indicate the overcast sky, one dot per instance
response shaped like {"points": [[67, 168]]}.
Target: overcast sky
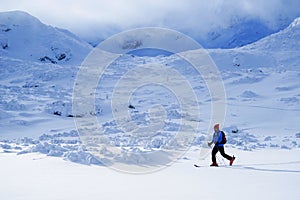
{"points": [[87, 17]]}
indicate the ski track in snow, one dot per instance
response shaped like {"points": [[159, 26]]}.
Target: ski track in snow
{"points": [[67, 180]]}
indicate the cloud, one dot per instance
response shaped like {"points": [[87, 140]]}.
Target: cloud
{"points": [[89, 18]]}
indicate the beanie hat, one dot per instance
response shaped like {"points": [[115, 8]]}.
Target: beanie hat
{"points": [[217, 126]]}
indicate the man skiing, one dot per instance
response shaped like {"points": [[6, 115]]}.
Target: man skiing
{"points": [[218, 140]]}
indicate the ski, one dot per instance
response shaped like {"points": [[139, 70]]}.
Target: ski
{"points": [[198, 166], [226, 166]]}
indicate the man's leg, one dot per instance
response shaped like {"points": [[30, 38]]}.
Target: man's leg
{"points": [[213, 154], [221, 149]]}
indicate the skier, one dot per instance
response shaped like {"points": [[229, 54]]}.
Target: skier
{"points": [[218, 140]]}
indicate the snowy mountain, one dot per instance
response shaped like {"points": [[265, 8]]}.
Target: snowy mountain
{"points": [[23, 36], [39, 91], [38, 85], [40, 145], [240, 32], [285, 40], [280, 50]]}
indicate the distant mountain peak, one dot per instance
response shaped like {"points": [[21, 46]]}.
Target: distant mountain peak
{"points": [[23, 36], [296, 22], [287, 39], [14, 18]]}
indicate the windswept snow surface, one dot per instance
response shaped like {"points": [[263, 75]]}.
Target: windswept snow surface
{"points": [[43, 157], [268, 174]]}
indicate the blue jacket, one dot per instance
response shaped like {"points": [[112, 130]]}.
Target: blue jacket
{"points": [[217, 138]]}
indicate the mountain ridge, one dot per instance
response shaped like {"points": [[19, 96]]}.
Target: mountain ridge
{"points": [[23, 36]]}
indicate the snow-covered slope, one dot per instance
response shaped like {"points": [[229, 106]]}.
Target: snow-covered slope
{"points": [[242, 31], [239, 31], [36, 120], [24, 37], [287, 40], [269, 174], [279, 50], [35, 93]]}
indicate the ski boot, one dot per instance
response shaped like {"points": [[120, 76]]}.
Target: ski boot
{"points": [[231, 161]]}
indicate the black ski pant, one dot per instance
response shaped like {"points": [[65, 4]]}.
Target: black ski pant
{"points": [[215, 151]]}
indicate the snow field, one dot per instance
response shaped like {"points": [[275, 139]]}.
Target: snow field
{"points": [[42, 156], [259, 174]]}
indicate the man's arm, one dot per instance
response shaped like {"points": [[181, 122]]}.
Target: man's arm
{"points": [[214, 139]]}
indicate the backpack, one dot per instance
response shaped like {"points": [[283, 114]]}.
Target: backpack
{"points": [[224, 140]]}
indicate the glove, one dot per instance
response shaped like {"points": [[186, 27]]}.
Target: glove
{"points": [[209, 144]]}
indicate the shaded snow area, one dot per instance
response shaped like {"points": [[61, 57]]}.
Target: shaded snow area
{"points": [[66, 145], [42, 155]]}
